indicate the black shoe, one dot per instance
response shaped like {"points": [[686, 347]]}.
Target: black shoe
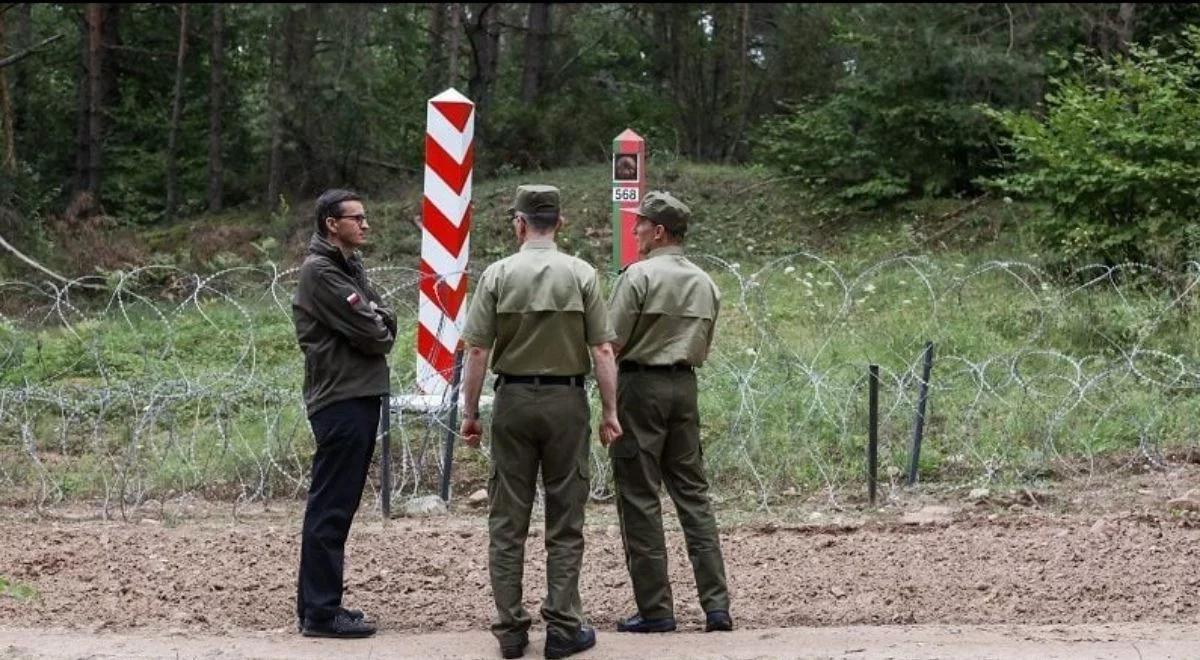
{"points": [[560, 647], [357, 615], [717, 620], [342, 625], [514, 647], [638, 624]]}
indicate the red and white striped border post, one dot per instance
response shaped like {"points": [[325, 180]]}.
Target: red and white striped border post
{"points": [[445, 236]]}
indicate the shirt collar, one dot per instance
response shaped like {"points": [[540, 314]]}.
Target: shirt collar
{"points": [[318, 244], [665, 250], [539, 244]]}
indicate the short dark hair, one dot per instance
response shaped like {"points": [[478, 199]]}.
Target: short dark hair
{"points": [[329, 205], [541, 222]]}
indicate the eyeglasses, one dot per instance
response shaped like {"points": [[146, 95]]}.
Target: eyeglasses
{"points": [[359, 218]]}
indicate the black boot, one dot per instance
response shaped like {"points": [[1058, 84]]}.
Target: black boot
{"points": [[718, 620], [342, 625], [353, 614], [561, 647], [639, 624], [514, 647]]}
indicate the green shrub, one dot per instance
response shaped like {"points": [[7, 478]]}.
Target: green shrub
{"points": [[1116, 155]]}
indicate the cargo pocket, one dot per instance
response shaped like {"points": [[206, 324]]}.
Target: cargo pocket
{"points": [[493, 479], [626, 447], [583, 471]]}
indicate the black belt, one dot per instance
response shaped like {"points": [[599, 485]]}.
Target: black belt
{"points": [[634, 366], [502, 379]]}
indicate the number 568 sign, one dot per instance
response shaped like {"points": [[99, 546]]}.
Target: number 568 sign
{"points": [[625, 195], [628, 185]]}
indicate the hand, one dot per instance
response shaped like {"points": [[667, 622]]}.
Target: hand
{"points": [[610, 430], [471, 431]]}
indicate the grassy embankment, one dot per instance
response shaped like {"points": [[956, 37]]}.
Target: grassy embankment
{"points": [[150, 393]]}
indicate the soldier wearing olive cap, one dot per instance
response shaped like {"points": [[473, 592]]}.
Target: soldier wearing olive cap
{"points": [[538, 314], [664, 311]]}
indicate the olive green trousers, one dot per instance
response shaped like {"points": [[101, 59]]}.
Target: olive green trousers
{"points": [[546, 427], [661, 446]]}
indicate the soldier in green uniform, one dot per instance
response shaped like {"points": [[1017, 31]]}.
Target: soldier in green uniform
{"points": [[664, 310], [538, 314]]}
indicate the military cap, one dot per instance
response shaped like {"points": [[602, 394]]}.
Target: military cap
{"points": [[536, 199], [662, 208]]}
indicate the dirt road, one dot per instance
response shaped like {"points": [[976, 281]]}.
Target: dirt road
{"points": [[1100, 642], [1097, 575]]}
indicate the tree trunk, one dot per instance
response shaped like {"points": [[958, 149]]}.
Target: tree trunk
{"points": [[337, 144], [96, 18], [275, 108], [20, 39], [8, 160], [216, 170], [743, 86], [110, 89], [1125, 26], [701, 53], [176, 111], [88, 154], [452, 64], [437, 44], [483, 31], [537, 51], [299, 49], [721, 99], [681, 58]]}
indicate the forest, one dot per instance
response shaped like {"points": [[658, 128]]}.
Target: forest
{"points": [[144, 114]]}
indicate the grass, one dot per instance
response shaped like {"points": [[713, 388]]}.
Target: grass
{"points": [[1025, 383], [15, 590], [1034, 376]]}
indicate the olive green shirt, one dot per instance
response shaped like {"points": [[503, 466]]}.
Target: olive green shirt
{"points": [[664, 310], [538, 310]]}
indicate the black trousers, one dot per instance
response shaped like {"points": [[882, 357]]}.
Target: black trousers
{"points": [[345, 433]]}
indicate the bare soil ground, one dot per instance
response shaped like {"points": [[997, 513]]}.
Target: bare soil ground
{"points": [[1119, 641], [1081, 556]]}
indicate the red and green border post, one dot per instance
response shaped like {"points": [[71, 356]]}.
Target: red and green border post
{"points": [[629, 186]]}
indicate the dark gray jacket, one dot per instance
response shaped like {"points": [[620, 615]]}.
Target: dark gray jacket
{"points": [[344, 338]]}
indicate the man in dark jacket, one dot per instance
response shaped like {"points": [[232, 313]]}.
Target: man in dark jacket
{"points": [[345, 332]]}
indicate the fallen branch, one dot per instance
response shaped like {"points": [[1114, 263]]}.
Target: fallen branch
{"points": [[17, 57], [5, 244]]}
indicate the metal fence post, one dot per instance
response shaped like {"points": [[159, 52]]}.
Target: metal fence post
{"points": [[919, 423], [873, 433], [451, 426], [385, 458]]}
